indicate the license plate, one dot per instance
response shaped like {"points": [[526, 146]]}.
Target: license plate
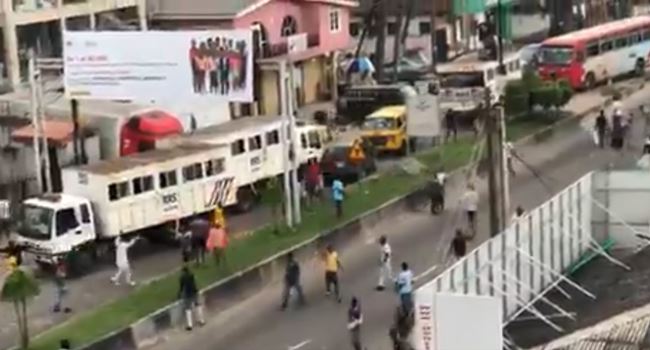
{"points": [[340, 164]]}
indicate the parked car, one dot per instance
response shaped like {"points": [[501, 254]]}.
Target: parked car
{"points": [[408, 69], [338, 163]]}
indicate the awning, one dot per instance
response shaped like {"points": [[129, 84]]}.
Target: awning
{"points": [[58, 133]]}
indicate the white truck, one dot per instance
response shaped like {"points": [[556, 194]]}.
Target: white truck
{"points": [[126, 196], [255, 150], [464, 80]]}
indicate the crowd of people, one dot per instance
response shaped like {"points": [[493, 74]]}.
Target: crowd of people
{"points": [[218, 65]]}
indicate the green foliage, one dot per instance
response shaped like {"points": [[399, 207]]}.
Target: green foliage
{"points": [[530, 90], [19, 288], [552, 94]]}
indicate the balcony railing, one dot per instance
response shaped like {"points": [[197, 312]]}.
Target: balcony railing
{"points": [[279, 49]]}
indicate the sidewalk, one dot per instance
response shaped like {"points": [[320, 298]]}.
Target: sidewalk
{"points": [[95, 289]]}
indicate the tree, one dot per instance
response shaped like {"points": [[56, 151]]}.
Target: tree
{"points": [[397, 42], [18, 289]]}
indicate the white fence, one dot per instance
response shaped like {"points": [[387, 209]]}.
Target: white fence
{"points": [[521, 264]]}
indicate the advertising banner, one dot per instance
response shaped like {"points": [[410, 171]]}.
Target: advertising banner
{"points": [[159, 65]]}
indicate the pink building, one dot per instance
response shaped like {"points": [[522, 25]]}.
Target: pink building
{"points": [[309, 33]]}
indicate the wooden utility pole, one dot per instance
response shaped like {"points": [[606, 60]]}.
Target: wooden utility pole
{"points": [[434, 39], [493, 192], [380, 49]]}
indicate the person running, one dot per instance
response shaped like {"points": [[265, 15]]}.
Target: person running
{"points": [[385, 268], [122, 260], [200, 229], [292, 282], [404, 286], [189, 294], [519, 213], [332, 267], [338, 194], [185, 240], [600, 128], [436, 190], [355, 320], [470, 200], [60, 275], [458, 245], [510, 152]]}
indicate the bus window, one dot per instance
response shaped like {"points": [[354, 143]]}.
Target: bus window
{"points": [[634, 38], [238, 147], [606, 46], [254, 143], [314, 140], [303, 141], [620, 43], [592, 50], [646, 35]]}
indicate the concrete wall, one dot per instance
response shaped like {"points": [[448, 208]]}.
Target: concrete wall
{"points": [[626, 195]]}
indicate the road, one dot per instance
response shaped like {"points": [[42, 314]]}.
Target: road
{"points": [[418, 238]]}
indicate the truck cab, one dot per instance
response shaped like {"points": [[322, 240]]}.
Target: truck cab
{"points": [[54, 224], [385, 129]]}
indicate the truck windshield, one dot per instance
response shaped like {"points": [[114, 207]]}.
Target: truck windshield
{"points": [[36, 222], [555, 55], [461, 79], [379, 124]]}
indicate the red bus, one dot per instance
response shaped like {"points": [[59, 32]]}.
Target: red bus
{"points": [[588, 56]]}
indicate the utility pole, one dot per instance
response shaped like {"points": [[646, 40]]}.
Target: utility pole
{"points": [[500, 24], [292, 106], [284, 138], [34, 111], [380, 49], [504, 171], [41, 129], [434, 39], [493, 200]]}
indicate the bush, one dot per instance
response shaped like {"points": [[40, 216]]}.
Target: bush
{"points": [[517, 98], [552, 94]]}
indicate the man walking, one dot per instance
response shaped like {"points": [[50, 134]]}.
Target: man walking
{"points": [[338, 194], [385, 269], [458, 245], [470, 200], [200, 229], [332, 267], [122, 260], [355, 320], [186, 245], [292, 282], [60, 275], [450, 125], [188, 293], [600, 128], [404, 286]]}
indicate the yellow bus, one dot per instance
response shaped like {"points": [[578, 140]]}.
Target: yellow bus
{"points": [[385, 129]]}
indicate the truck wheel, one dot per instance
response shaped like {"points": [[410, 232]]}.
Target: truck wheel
{"points": [[246, 199], [402, 150]]}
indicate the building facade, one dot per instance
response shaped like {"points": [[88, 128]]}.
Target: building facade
{"points": [[39, 24], [306, 33]]}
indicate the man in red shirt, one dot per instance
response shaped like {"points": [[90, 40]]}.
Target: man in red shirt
{"points": [[313, 180]]}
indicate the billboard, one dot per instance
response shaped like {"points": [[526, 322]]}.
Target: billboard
{"points": [[157, 66]]}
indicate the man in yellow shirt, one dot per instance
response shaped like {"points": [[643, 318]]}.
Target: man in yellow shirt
{"points": [[332, 267]]}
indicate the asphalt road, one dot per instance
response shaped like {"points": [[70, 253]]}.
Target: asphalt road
{"points": [[418, 238]]}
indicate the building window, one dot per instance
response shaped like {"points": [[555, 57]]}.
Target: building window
{"points": [[355, 28], [167, 179], [425, 28], [391, 28], [289, 26], [335, 20]]}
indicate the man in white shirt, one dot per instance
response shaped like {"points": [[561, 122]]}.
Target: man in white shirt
{"points": [[122, 260], [404, 286], [385, 269], [470, 201]]}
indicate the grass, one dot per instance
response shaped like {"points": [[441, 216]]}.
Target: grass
{"points": [[251, 249]]}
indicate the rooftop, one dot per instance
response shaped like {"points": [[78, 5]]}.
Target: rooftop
{"points": [[122, 164], [616, 290]]}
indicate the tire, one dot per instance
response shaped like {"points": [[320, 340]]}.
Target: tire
{"points": [[402, 150], [639, 68], [246, 199], [590, 81]]}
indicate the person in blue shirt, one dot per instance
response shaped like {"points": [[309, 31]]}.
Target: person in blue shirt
{"points": [[338, 194], [404, 285]]}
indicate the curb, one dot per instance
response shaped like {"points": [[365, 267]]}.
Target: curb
{"points": [[241, 285]]}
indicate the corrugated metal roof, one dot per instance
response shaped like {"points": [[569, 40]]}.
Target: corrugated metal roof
{"points": [[198, 8]]}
